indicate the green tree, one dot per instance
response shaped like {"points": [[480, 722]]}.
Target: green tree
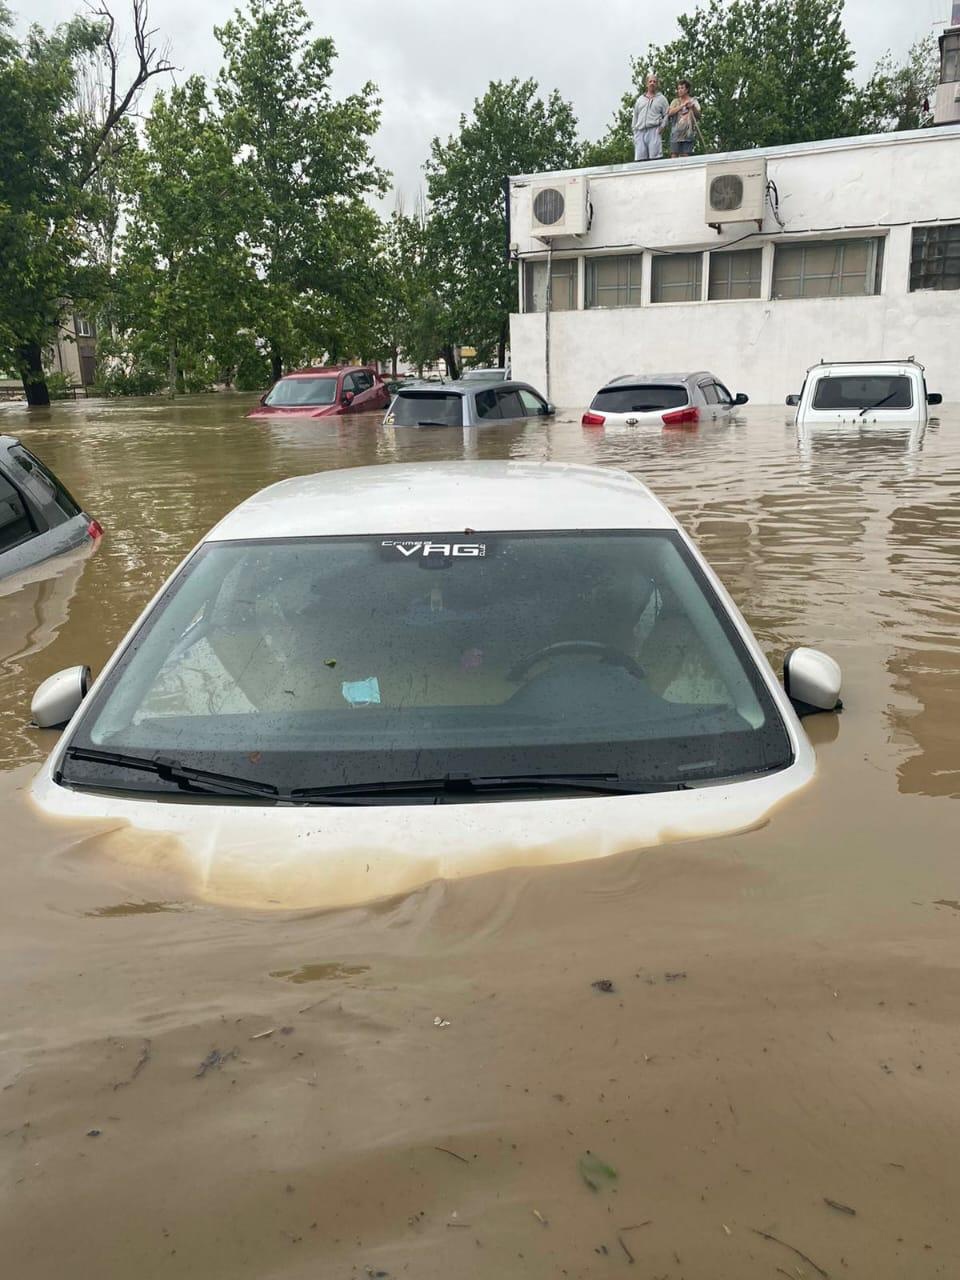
{"points": [[184, 274], [512, 130], [305, 158], [417, 320], [766, 73], [898, 95], [49, 154]]}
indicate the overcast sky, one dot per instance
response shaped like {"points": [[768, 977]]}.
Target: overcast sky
{"points": [[432, 59]]}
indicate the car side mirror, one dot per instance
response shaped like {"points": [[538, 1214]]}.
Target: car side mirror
{"points": [[793, 400], [56, 700], [550, 410], [934, 397], [347, 397], [812, 681], [740, 398]]}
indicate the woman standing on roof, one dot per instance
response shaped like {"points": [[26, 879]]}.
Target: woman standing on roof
{"points": [[683, 114]]}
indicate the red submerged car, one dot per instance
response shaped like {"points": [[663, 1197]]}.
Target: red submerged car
{"points": [[325, 392]]}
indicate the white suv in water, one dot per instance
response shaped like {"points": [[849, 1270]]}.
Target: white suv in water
{"points": [[365, 679], [887, 392], [661, 400]]}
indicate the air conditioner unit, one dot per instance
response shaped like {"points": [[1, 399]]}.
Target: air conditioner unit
{"points": [[736, 191], [559, 208]]}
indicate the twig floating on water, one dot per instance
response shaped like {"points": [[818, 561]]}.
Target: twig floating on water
{"points": [[630, 1258], [843, 1208], [214, 1061], [799, 1252], [262, 1035], [138, 1067], [447, 1151], [637, 1225]]}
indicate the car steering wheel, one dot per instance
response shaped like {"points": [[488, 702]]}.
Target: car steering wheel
{"points": [[616, 657]]}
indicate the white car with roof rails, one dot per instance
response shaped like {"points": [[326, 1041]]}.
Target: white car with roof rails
{"points": [[865, 393], [661, 400], [365, 679]]}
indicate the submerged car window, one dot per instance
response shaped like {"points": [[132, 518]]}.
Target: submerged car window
{"points": [[532, 404], [487, 405], [15, 524], [323, 661], [42, 486], [303, 391], [427, 408], [510, 404], [642, 398], [863, 391]]}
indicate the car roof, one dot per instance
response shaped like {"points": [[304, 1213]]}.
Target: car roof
{"points": [[865, 367], [325, 371], [440, 497], [645, 379], [469, 388]]}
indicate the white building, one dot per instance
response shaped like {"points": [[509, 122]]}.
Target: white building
{"points": [[842, 250]]}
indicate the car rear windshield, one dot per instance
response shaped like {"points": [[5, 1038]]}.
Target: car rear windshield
{"points": [[863, 391], [346, 661], [41, 486], [427, 409], [642, 398], [290, 392]]}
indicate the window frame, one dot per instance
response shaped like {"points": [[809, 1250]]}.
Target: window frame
{"points": [[874, 270], [631, 289], [729, 255], [946, 238], [29, 514], [698, 256], [564, 269]]}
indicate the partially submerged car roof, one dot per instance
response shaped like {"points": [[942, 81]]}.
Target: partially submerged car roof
{"points": [[650, 379], [443, 497]]}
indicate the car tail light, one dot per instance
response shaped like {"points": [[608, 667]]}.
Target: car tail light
{"points": [[592, 420], [682, 417], [94, 529]]}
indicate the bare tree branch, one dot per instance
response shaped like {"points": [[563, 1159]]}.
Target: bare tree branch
{"points": [[150, 63]]}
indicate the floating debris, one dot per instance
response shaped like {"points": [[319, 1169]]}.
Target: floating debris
{"points": [[603, 984], [594, 1171], [214, 1061]]}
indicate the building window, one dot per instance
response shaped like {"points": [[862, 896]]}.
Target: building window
{"points": [[735, 275], [935, 257], [82, 327], [827, 269], [563, 280], [677, 277], [614, 282], [950, 59]]}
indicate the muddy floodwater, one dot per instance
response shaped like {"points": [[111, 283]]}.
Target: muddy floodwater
{"points": [[733, 1058]]}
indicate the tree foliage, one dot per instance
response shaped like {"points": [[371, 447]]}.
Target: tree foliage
{"points": [[512, 130], [184, 278], [899, 95], [304, 158], [49, 152]]}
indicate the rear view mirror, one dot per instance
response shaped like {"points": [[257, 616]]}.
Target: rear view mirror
{"points": [[56, 700], [934, 397], [812, 681], [793, 400], [740, 398]]}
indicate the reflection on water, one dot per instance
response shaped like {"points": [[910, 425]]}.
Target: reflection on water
{"points": [[414, 1124]]}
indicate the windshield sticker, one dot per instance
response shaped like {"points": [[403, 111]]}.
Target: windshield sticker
{"points": [[432, 549], [362, 693]]}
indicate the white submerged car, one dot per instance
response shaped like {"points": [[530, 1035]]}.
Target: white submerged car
{"points": [[365, 679], [890, 393]]}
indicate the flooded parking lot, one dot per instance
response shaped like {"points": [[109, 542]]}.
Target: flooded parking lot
{"points": [[728, 1058]]}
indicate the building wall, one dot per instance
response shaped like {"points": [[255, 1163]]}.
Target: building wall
{"points": [[847, 188]]}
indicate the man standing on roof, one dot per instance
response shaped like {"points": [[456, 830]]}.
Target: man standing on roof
{"points": [[649, 114], [684, 113]]}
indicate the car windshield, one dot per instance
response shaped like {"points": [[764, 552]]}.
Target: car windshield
{"points": [[290, 392], [642, 398], [427, 408], [863, 391], [328, 662]]}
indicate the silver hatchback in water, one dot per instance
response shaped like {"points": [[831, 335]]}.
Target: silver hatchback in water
{"points": [[661, 400], [465, 403]]}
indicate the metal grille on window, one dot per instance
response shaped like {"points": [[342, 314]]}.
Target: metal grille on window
{"points": [[563, 279], [828, 269], [614, 282], [935, 257], [677, 277], [735, 275]]}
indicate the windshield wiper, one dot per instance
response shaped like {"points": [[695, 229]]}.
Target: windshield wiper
{"points": [[185, 776], [466, 784], [867, 407]]}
